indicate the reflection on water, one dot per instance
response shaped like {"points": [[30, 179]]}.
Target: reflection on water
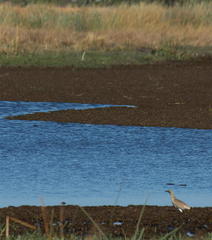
{"points": [[100, 164]]}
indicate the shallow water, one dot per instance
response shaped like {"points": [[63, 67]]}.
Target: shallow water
{"points": [[9, 108], [99, 164]]}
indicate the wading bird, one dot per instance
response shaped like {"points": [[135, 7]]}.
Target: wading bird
{"points": [[180, 205]]}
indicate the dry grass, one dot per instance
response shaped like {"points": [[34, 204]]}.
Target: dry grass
{"points": [[37, 28]]}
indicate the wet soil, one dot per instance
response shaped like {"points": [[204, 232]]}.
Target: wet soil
{"points": [[113, 220], [174, 94]]}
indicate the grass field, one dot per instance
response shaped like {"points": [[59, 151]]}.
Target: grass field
{"points": [[149, 31]]}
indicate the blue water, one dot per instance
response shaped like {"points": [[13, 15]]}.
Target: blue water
{"points": [[89, 164], [8, 108]]}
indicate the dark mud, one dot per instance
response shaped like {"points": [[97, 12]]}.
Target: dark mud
{"points": [[176, 94], [115, 220]]}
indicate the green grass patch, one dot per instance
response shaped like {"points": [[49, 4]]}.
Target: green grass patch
{"points": [[96, 59]]}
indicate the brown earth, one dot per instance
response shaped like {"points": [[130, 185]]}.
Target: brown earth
{"points": [[174, 94], [116, 220]]}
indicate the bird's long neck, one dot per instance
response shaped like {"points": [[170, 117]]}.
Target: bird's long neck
{"points": [[172, 196]]}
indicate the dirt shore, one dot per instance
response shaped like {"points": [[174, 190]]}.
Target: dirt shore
{"points": [[174, 94], [115, 220]]}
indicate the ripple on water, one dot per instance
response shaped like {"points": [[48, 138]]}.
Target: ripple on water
{"points": [[100, 164]]}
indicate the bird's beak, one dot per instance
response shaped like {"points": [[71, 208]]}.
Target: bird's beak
{"points": [[166, 191]]}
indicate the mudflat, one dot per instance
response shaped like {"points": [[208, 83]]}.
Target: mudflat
{"points": [[117, 221], [169, 94]]}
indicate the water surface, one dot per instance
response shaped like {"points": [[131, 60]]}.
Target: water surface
{"points": [[99, 164]]}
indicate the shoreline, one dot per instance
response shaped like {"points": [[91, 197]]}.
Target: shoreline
{"points": [[114, 220], [174, 94]]}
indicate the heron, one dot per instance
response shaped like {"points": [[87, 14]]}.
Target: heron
{"points": [[180, 205]]}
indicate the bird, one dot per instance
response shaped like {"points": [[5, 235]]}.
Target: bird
{"points": [[180, 205]]}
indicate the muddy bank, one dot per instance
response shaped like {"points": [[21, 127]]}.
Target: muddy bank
{"points": [[166, 94], [115, 220], [176, 94]]}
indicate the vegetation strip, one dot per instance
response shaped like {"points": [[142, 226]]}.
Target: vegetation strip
{"points": [[50, 35]]}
